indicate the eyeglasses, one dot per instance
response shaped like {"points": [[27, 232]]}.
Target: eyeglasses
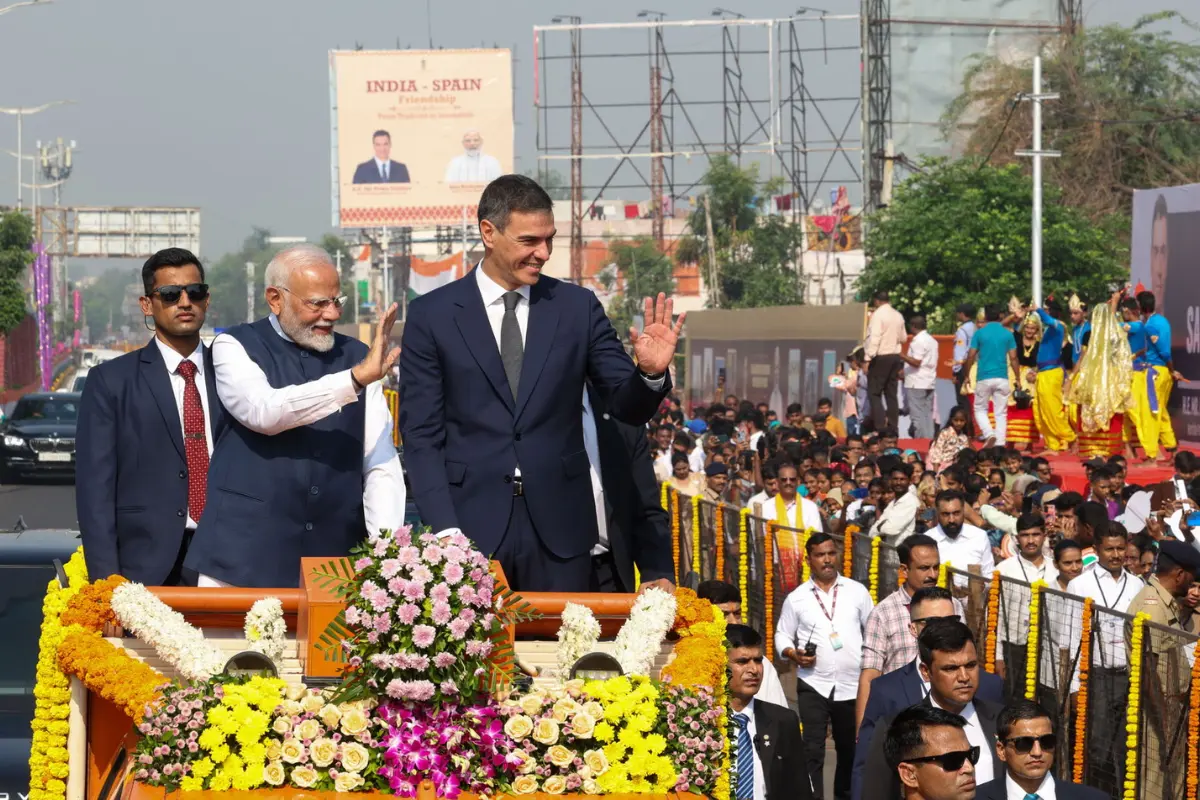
{"points": [[318, 303], [949, 762], [927, 620], [170, 294], [789, 480], [1023, 744]]}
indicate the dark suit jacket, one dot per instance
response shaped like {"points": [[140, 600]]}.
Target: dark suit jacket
{"points": [[368, 172], [1063, 790], [131, 473], [638, 526], [465, 435], [891, 694], [781, 751]]}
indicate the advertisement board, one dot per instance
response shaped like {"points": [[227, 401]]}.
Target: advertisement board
{"points": [[1163, 251], [417, 134]]}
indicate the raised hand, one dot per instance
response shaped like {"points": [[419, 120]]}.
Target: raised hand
{"points": [[654, 346], [380, 359]]}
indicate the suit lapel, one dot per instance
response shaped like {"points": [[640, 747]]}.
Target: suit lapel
{"points": [[543, 322], [154, 373], [216, 413], [477, 333], [987, 714], [766, 740], [913, 686]]}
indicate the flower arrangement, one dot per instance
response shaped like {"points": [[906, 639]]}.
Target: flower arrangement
{"points": [[640, 639], [848, 549], [173, 638], [235, 753], [636, 754], [321, 745], [52, 692], [691, 722], [91, 607], [700, 658], [719, 526], [109, 671], [769, 592], [1031, 653], [1193, 745], [556, 749], [577, 636], [1081, 699], [873, 571], [993, 615], [265, 629], [168, 746], [697, 561], [1133, 706], [422, 618], [743, 572]]}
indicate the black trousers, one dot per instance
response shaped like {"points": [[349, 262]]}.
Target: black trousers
{"points": [[883, 380], [178, 575], [1108, 692], [817, 714], [1014, 669], [530, 567]]}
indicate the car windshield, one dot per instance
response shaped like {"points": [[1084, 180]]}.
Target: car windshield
{"points": [[79, 383], [50, 409]]}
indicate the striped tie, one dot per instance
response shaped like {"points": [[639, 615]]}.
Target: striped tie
{"points": [[745, 759]]}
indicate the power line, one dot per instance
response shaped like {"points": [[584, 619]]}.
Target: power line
{"points": [[1012, 108]]}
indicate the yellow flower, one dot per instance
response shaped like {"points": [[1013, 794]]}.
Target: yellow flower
{"points": [[596, 762], [331, 715], [203, 768], [545, 731], [604, 732], [304, 777], [291, 751], [354, 721], [347, 781], [555, 784], [531, 704], [354, 757], [559, 756], [312, 703], [220, 753], [525, 784], [309, 729], [323, 751], [518, 727], [221, 782], [190, 783]]}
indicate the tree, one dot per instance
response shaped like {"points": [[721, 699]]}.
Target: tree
{"points": [[104, 299], [1125, 120], [552, 181], [334, 244], [646, 272], [227, 281], [958, 231], [16, 238]]}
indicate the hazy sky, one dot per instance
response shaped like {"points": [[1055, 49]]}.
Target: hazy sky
{"points": [[225, 105]]}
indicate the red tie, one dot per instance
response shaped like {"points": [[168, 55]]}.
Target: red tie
{"points": [[195, 441]]}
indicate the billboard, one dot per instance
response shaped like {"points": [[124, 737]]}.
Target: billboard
{"points": [[1163, 251], [417, 134]]}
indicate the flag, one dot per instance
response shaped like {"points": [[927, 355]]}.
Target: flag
{"points": [[425, 276]]}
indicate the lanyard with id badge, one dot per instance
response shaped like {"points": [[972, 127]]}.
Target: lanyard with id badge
{"points": [[835, 640]]}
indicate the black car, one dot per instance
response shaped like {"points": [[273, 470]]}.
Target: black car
{"points": [[39, 436]]}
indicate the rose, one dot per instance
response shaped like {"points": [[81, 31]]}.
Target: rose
{"points": [[323, 751], [564, 708], [545, 731], [593, 709], [518, 727], [596, 761], [304, 777], [354, 756], [292, 708], [531, 704], [312, 703], [525, 784], [573, 688], [309, 729], [590, 787], [291, 751], [559, 756], [273, 773], [555, 784], [282, 726], [347, 781], [354, 721], [330, 715], [272, 750], [295, 691], [582, 725]]}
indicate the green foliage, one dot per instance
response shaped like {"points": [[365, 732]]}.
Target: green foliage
{"points": [[731, 192], [334, 244], [958, 233], [227, 281], [646, 272], [16, 237], [552, 181], [104, 300]]}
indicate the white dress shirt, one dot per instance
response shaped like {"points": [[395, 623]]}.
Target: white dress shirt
{"points": [[477, 167], [972, 546], [771, 689], [696, 458], [760, 780], [1013, 625], [810, 515], [1114, 594], [924, 348], [1045, 791], [172, 359], [899, 518], [757, 501], [250, 399], [591, 443], [984, 770], [805, 619]]}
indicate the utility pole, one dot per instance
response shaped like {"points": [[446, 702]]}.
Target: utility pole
{"points": [[56, 162], [338, 256], [20, 113], [714, 289], [385, 239], [1037, 154]]}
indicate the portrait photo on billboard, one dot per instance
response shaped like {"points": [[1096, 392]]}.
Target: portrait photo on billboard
{"points": [[418, 134]]}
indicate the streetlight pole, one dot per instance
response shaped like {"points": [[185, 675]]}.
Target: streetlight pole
{"points": [[1037, 154], [19, 112]]}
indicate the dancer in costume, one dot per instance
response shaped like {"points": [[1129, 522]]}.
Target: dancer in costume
{"points": [[1022, 424], [1100, 386], [1049, 412]]}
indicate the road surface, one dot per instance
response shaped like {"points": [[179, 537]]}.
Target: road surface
{"points": [[42, 503]]}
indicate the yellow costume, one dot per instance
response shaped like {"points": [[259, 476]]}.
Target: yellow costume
{"points": [[1100, 390]]}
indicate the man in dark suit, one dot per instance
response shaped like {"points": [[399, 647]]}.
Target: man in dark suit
{"points": [[776, 757], [146, 430], [950, 665], [635, 527], [899, 689], [928, 753], [381, 168], [492, 370], [1025, 743]]}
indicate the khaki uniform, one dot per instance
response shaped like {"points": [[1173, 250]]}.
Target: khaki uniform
{"points": [[1165, 681]]}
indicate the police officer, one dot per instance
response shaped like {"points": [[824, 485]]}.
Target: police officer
{"points": [[1165, 671]]}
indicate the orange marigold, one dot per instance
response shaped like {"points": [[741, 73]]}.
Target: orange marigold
{"points": [[690, 609], [91, 607], [110, 672]]}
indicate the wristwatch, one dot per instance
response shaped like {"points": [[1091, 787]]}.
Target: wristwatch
{"points": [[656, 377]]}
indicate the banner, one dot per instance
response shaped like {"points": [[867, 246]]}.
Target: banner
{"points": [[1163, 250], [418, 133]]}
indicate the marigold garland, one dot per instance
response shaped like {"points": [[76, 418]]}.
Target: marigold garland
{"points": [[110, 672], [1031, 645], [993, 615], [675, 525], [769, 594], [873, 572], [744, 561], [1133, 704], [944, 575], [91, 607], [697, 562], [802, 549], [1193, 748], [1081, 699], [719, 525], [665, 502], [848, 550]]}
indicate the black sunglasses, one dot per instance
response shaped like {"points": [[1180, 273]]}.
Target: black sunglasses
{"points": [[927, 620], [949, 762], [1023, 744], [170, 294]]}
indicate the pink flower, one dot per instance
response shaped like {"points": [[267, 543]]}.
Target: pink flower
{"points": [[467, 614], [441, 613], [466, 593], [476, 575], [440, 593], [396, 586], [352, 617], [453, 573], [449, 687], [414, 591], [389, 567], [408, 612], [408, 556], [380, 601], [432, 554], [403, 536], [483, 598], [396, 688], [422, 575], [382, 623], [373, 637], [443, 660], [423, 636], [362, 563], [458, 628], [477, 647], [381, 547], [453, 554], [418, 663]]}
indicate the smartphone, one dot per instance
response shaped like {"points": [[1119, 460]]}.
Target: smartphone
{"points": [[1193, 519], [1051, 514]]}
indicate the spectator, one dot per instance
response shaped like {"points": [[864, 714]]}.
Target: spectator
{"points": [[898, 520], [791, 510], [770, 482], [949, 442], [995, 350], [1068, 560], [726, 597], [927, 752], [682, 479], [885, 340], [958, 543], [1139, 556], [1027, 566], [832, 423], [1102, 493], [718, 481], [920, 377]]}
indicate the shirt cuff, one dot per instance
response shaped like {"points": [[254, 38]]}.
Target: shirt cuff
{"points": [[442, 534], [345, 392], [655, 383]]}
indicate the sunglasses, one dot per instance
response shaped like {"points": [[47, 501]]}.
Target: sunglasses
{"points": [[789, 480], [949, 762], [1023, 744], [170, 294], [927, 620]]}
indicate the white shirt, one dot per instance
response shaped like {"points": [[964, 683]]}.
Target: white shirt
{"points": [[1177, 515], [173, 359], [755, 438], [756, 502], [972, 546], [1013, 626], [760, 780], [804, 619], [1108, 629], [1045, 790], [696, 458], [984, 770], [591, 443], [810, 515], [771, 690], [924, 348], [476, 167], [899, 519]]}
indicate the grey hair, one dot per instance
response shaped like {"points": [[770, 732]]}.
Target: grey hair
{"points": [[291, 258]]}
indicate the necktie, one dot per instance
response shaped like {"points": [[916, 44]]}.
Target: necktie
{"points": [[512, 348], [1031, 797], [383, 171], [745, 759], [195, 441]]}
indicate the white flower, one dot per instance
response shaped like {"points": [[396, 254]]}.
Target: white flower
{"points": [[640, 638], [177, 642], [265, 629], [577, 636]]}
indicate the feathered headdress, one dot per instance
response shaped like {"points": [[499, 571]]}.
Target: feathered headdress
{"points": [[1075, 304]]}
